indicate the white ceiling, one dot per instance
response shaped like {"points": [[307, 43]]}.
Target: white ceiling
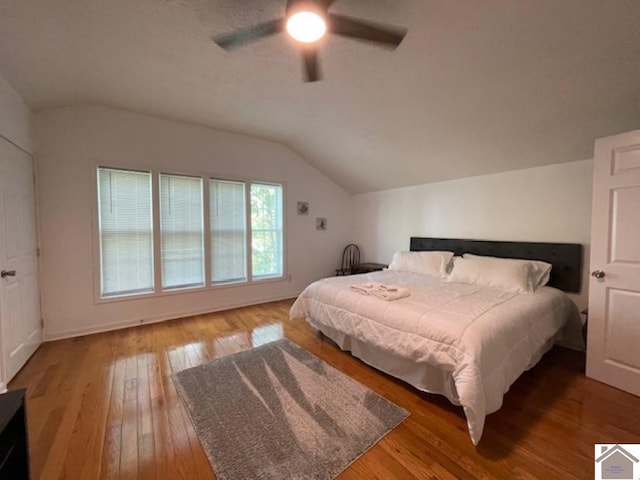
{"points": [[476, 87]]}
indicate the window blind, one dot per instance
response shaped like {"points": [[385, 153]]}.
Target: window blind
{"points": [[266, 230], [238, 212], [125, 227], [228, 231], [181, 231]]}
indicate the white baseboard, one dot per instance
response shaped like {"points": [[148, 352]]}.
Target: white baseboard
{"points": [[3, 388], [161, 318]]}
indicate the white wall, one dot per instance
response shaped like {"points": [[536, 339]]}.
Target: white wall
{"points": [[551, 203], [544, 204], [15, 117], [70, 143], [15, 128]]}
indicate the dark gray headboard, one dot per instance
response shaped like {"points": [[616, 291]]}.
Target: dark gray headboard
{"points": [[566, 258]]}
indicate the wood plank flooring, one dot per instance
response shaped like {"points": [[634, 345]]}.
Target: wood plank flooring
{"points": [[105, 407]]}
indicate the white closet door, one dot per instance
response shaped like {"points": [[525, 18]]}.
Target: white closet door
{"points": [[613, 350], [20, 325]]}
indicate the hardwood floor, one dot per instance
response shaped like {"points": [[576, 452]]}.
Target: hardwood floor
{"points": [[105, 406]]}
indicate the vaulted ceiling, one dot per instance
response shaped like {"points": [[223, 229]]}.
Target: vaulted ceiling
{"points": [[476, 87]]}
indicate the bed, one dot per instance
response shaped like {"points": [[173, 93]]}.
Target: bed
{"points": [[464, 340]]}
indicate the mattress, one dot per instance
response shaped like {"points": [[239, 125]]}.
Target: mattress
{"points": [[467, 342]]}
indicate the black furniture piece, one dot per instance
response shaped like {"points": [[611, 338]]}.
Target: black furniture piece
{"points": [[368, 267], [14, 453], [350, 260]]}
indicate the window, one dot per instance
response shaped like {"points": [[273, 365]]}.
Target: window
{"points": [[244, 241], [228, 231], [125, 231], [181, 231], [266, 230]]}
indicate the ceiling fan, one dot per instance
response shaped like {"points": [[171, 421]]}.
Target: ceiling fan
{"points": [[307, 21]]}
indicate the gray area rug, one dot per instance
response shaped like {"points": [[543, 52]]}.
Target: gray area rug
{"points": [[278, 412]]}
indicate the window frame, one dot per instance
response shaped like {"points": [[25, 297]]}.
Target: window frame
{"points": [[209, 285], [98, 259], [247, 233], [250, 232], [160, 245]]}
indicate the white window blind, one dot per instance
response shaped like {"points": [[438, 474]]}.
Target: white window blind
{"points": [[228, 231], [125, 227], [181, 231], [266, 230], [238, 212]]}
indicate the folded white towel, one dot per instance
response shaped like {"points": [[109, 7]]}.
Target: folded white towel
{"points": [[380, 290], [392, 294], [365, 288]]}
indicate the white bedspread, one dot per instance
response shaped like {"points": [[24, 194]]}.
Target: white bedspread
{"points": [[482, 338]]}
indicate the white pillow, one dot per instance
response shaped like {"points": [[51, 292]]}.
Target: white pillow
{"points": [[427, 263], [539, 271], [510, 276]]}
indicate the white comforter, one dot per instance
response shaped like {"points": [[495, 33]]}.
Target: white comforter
{"points": [[483, 338]]}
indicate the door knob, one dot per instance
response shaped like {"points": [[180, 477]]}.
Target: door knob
{"points": [[597, 274], [8, 273]]}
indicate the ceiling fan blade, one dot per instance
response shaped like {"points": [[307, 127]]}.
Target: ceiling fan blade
{"points": [[241, 37], [385, 35], [311, 65]]}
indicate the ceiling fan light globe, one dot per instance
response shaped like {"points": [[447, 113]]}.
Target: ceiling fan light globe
{"points": [[306, 27]]}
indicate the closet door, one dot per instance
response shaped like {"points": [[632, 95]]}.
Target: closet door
{"points": [[613, 350], [20, 324]]}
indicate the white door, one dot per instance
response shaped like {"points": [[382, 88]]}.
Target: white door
{"points": [[20, 326], [613, 350]]}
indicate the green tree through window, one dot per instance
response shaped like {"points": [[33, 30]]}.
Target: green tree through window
{"points": [[266, 230]]}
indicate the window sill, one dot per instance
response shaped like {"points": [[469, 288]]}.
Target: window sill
{"points": [[189, 290]]}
